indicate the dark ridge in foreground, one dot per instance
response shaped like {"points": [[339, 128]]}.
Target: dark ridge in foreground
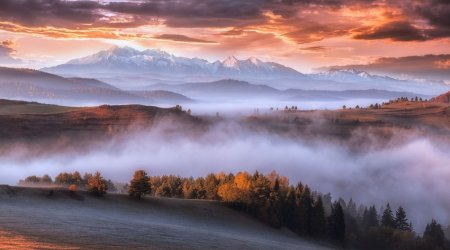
{"points": [[59, 218]]}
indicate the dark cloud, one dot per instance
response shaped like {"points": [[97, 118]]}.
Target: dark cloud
{"points": [[230, 13], [314, 48], [6, 51], [437, 13], [432, 67], [315, 32], [180, 38], [50, 12], [396, 31]]}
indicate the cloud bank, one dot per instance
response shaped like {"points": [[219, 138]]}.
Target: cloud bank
{"points": [[413, 173]]}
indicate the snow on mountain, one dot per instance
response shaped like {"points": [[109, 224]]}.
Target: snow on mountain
{"points": [[128, 68], [128, 60], [349, 75]]}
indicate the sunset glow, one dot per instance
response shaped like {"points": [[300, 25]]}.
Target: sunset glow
{"points": [[301, 34]]}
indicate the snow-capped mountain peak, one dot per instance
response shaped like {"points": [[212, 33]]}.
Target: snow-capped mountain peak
{"points": [[127, 60], [231, 62], [254, 60]]}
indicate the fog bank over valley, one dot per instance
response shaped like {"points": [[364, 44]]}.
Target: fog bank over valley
{"points": [[411, 171]]}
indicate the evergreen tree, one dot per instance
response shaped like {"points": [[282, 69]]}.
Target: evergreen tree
{"points": [[111, 186], [97, 185], [387, 220], [372, 219], [289, 208], [274, 205], [434, 235], [304, 212], [139, 185], [401, 222], [337, 227], [318, 219]]}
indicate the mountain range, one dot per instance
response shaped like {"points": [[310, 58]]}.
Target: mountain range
{"points": [[34, 85], [229, 89], [126, 60], [131, 69]]}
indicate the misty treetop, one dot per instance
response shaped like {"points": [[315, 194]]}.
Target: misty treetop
{"points": [[272, 199]]}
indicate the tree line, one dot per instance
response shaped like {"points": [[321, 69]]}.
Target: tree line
{"points": [[94, 183], [273, 200]]}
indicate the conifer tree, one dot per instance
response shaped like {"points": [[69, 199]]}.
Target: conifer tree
{"points": [[373, 217], [401, 222], [434, 235], [318, 219], [387, 220], [139, 185], [289, 208], [337, 221]]}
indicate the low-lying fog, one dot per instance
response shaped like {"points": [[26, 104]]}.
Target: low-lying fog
{"points": [[414, 174], [231, 107]]}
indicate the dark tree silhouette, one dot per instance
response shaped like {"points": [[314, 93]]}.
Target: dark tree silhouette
{"points": [[337, 224], [318, 224], [434, 235], [370, 218], [387, 219], [401, 222]]}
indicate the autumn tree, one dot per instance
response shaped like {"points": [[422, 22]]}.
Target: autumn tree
{"points": [[211, 186], [139, 185], [97, 185], [228, 192]]}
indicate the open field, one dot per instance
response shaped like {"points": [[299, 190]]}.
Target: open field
{"points": [[32, 218]]}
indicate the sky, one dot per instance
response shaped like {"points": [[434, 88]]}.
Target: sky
{"points": [[302, 34]]}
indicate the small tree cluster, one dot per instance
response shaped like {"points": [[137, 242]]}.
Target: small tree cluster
{"points": [[36, 180], [95, 184], [290, 109], [66, 179]]}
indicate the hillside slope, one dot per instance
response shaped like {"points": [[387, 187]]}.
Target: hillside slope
{"points": [[116, 221], [34, 85], [44, 122], [444, 98]]}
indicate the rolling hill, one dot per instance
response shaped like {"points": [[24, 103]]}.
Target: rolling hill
{"points": [[34, 85], [230, 90], [80, 221], [444, 98], [163, 96]]}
